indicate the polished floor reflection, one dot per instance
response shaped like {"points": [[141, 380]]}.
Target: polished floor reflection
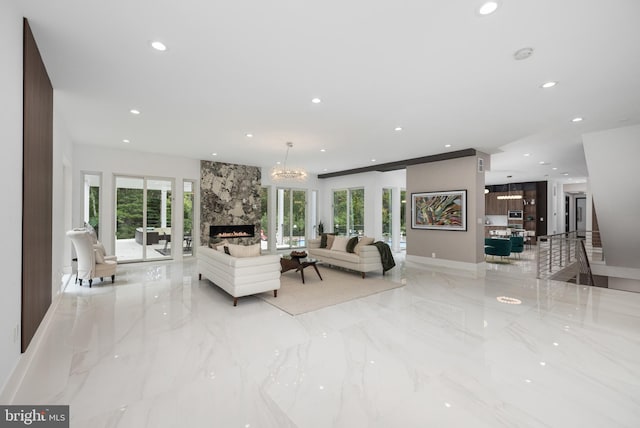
{"points": [[162, 349]]}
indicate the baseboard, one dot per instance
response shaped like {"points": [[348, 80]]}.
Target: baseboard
{"points": [[8, 392], [478, 270]]}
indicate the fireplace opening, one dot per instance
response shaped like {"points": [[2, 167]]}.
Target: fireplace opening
{"points": [[232, 231]]}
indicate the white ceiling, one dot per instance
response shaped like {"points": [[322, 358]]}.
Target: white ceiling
{"points": [[435, 68]]}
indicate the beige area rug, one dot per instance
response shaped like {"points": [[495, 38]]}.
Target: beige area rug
{"points": [[337, 286]]}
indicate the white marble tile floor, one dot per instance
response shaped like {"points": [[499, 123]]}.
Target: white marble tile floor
{"points": [[161, 349]]}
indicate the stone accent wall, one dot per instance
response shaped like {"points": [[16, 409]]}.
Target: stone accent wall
{"points": [[229, 194]]}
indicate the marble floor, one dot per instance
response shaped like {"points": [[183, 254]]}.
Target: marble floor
{"points": [[162, 349]]}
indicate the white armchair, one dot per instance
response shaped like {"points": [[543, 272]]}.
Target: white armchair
{"points": [[92, 262]]}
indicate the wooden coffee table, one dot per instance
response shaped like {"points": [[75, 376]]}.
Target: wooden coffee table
{"points": [[299, 264]]}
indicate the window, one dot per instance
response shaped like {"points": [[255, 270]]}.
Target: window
{"points": [[264, 218], [91, 200], [291, 209], [387, 216], [348, 212], [403, 219], [188, 198]]}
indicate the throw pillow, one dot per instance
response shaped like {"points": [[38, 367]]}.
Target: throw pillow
{"points": [[323, 239], [330, 239], [244, 250], [99, 254], [100, 248], [363, 241], [340, 243], [219, 246], [351, 245]]}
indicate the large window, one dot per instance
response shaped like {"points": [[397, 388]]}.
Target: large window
{"points": [[348, 212], [291, 209]]}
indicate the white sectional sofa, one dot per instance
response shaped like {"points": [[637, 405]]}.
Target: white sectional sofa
{"points": [[240, 276], [368, 259]]}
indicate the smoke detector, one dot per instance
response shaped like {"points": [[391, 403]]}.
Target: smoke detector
{"points": [[523, 53]]}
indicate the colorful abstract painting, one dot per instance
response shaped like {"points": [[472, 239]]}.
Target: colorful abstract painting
{"points": [[439, 210]]}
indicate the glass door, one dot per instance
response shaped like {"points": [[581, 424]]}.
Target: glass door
{"points": [[158, 215], [143, 218], [130, 239]]}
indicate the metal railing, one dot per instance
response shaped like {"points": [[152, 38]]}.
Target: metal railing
{"points": [[567, 256]]}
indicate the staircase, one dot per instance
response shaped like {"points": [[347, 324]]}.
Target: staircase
{"points": [[569, 257]]}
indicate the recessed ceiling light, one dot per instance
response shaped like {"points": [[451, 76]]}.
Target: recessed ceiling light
{"points": [[373, 160], [447, 145], [554, 168], [523, 53], [527, 154], [577, 119], [159, 46], [214, 154], [323, 150], [565, 173], [248, 135], [316, 100], [397, 128], [488, 8], [325, 169], [548, 85], [541, 162], [134, 111], [126, 141]]}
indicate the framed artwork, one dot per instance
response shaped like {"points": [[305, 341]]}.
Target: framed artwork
{"points": [[439, 210]]}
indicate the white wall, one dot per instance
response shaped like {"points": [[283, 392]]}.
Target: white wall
{"points": [[111, 162], [11, 175], [61, 215], [612, 158]]}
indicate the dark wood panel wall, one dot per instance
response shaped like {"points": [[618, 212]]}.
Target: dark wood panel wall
{"points": [[36, 189], [541, 208]]}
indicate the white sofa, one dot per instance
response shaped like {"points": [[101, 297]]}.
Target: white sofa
{"points": [[240, 276], [367, 261]]}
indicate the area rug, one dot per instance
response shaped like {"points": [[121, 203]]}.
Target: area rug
{"points": [[337, 286]]}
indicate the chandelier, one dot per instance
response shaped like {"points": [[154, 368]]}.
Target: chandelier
{"points": [[281, 172], [509, 195]]}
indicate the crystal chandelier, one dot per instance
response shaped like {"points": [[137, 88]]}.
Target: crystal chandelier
{"points": [[281, 172]]}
